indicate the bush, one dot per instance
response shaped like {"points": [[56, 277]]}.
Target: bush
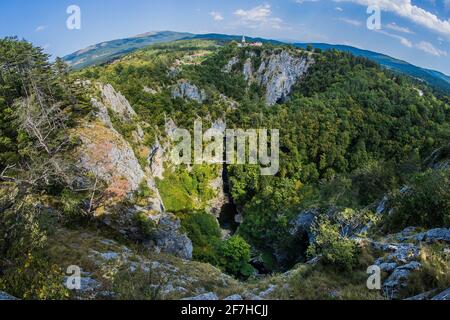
{"points": [[334, 249], [205, 234], [426, 204], [235, 257]]}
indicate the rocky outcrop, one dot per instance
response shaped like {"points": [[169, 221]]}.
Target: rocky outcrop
{"points": [[248, 69], [278, 73], [116, 102], [186, 90], [398, 280], [303, 222], [156, 160], [169, 239], [109, 158], [106, 154], [229, 66], [434, 235]]}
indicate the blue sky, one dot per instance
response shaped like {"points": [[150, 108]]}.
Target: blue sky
{"points": [[415, 31]]}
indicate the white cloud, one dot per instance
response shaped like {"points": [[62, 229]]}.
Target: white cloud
{"points": [[217, 16], [339, 9], [258, 17], [352, 22], [40, 28], [303, 1], [402, 40], [430, 49], [396, 27], [406, 9]]}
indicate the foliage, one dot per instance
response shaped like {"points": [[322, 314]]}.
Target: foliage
{"points": [[425, 203], [187, 191], [28, 272], [235, 257], [139, 284], [334, 248], [205, 234]]}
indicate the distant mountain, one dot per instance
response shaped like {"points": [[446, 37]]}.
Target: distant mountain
{"points": [[107, 51], [432, 77]]}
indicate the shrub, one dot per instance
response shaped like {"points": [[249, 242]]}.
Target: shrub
{"points": [[204, 232], [334, 248], [426, 204], [235, 257]]}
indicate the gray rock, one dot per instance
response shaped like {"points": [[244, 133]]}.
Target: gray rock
{"points": [[234, 297], [185, 90], [423, 296], [109, 256], [399, 279], [443, 295], [117, 102], [210, 296], [434, 235], [168, 238], [279, 73], [268, 292], [388, 267], [229, 66], [248, 69], [303, 222], [382, 205], [4, 296], [156, 160]]}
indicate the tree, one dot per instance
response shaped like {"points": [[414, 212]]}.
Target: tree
{"points": [[235, 257]]}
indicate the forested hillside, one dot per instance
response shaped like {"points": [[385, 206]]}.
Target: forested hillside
{"points": [[363, 155]]}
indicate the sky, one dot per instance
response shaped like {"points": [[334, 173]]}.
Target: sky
{"points": [[414, 31]]}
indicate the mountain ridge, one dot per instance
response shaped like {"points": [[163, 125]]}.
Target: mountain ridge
{"points": [[109, 50]]}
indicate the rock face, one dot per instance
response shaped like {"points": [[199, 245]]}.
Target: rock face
{"points": [[116, 101], [186, 90], [279, 73], [229, 66], [110, 158], [107, 155], [303, 222], [248, 69], [168, 238], [156, 160], [399, 279]]}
